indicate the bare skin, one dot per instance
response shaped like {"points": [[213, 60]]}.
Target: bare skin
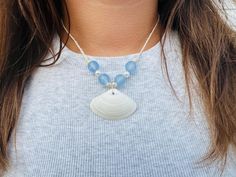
{"points": [[112, 27]]}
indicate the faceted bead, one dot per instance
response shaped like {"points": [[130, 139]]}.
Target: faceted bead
{"points": [[97, 73], [104, 79], [126, 74], [93, 66], [111, 85], [120, 80], [114, 84], [131, 67]]}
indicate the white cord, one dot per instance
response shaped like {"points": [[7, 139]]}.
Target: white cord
{"points": [[147, 40], [86, 57]]}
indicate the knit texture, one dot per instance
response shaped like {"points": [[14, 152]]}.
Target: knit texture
{"points": [[58, 136]]}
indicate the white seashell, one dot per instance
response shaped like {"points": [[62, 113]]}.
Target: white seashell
{"points": [[113, 105]]}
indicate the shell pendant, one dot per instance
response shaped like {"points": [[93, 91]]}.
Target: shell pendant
{"points": [[113, 105]]}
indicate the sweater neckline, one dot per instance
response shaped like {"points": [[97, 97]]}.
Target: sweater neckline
{"points": [[155, 50], [147, 51]]}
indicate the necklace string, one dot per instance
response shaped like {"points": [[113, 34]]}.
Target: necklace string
{"points": [[86, 57]]}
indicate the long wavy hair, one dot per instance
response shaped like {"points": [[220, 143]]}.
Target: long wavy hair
{"points": [[27, 28]]}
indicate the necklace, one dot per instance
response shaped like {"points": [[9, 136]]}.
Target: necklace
{"points": [[112, 104]]}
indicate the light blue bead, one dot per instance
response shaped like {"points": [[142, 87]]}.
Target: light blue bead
{"points": [[93, 66], [120, 80], [104, 79], [131, 67]]}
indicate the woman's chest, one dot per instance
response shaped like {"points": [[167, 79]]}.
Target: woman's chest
{"points": [[58, 135]]}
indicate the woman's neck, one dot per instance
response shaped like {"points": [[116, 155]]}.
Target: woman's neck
{"points": [[112, 27]]}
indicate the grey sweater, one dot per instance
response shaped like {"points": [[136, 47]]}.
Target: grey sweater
{"points": [[58, 136]]}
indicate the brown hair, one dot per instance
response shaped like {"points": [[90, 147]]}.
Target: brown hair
{"points": [[208, 45]]}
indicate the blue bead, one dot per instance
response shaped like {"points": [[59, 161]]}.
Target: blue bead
{"points": [[120, 80], [131, 67], [93, 66], [104, 79]]}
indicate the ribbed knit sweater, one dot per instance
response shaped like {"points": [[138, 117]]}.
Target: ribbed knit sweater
{"points": [[58, 136]]}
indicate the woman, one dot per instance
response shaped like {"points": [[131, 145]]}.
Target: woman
{"points": [[117, 88]]}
